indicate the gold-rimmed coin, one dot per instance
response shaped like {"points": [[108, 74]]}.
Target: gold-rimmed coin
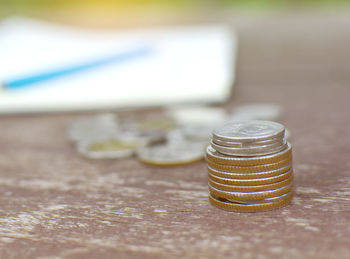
{"points": [[249, 169], [214, 156], [267, 200], [249, 175], [226, 205], [250, 182], [255, 188], [250, 196]]}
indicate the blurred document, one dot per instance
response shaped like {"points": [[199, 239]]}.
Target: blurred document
{"points": [[187, 64]]}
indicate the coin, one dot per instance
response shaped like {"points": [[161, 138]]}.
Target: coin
{"points": [[249, 166], [242, 131], [214, 156], [170, 155], [197, 115], [143, 137], [248, 144], [245, 182], [111, 148], [249, 175], [249, 207], [250, 196], [93, 127], [249, 169], [187, 134], [197, 132], [250, 151], [262, 201], [255, 188]]}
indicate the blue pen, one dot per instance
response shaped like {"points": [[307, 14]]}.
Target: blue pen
{"points": [[25, 81]]}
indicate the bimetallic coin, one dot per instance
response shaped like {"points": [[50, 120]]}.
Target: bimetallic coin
{"points": [[170, 155], [250, 196], [267, 200], [250, 182], [226, 205], [249, 175], [107, 149], [218, 158], [255, 188], [242, 131], [249, 169], [250, 151]]}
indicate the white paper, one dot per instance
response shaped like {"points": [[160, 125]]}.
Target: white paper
{"points": [[190, 64]]}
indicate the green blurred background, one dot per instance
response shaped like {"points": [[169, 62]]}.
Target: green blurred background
{"points": [[134, 12], [28, 5]]}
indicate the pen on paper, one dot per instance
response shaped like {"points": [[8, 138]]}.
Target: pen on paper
{"points": [[30, 80]]}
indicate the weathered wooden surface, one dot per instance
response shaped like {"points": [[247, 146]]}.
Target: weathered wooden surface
{"points": [[55, 204]]}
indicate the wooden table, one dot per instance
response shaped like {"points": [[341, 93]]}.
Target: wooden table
{"points": [[55, 204]]}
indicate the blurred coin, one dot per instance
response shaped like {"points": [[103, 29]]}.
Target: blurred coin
{"points": [[148, 123], [257, 111], [171, 154], [107, 148], [243, 131], [190, 133], [197, 115], [142, 137], [198, 132], [93, 127]]}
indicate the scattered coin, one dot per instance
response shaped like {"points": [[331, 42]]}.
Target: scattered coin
{"points": [[171, 154], [197, 115], [93, 127], [107, 148]]}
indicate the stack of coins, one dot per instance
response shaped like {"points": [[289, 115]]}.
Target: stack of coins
{"points": [[250, 166]]}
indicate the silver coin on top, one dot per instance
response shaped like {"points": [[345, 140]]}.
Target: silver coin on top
{"points": [[249, 131]]}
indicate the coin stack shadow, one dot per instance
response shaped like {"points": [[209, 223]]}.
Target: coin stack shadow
{"points": [[250, 167]]}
